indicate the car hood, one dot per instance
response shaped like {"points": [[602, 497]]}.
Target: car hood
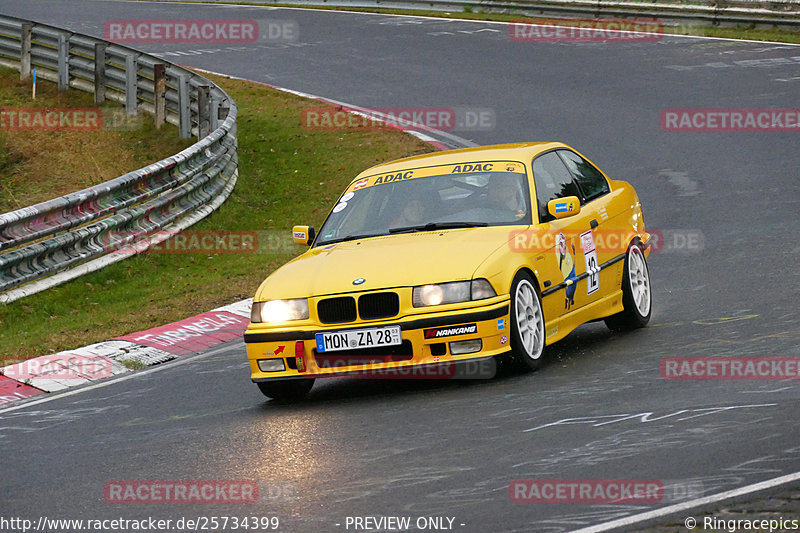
{"points": [[390, 261]]}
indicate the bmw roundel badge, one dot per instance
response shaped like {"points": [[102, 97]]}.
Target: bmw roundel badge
{"points": [[358, 281]]}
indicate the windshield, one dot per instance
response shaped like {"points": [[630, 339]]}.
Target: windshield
{"points": [[441, 201]]}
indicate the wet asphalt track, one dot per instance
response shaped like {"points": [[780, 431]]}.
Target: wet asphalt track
{"points": [[598, 410]]}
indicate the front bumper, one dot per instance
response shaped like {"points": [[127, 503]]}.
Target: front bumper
{"points": [[427, 347]]}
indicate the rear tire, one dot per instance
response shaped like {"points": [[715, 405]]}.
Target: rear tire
{"points": [[288, 390], [636, 295], [527, 324]]}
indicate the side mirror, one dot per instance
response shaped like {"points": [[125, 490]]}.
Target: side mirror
{"points": [[303, 235], [564, 207]]}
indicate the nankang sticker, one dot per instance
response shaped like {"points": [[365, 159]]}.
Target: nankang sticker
{"points": [[438, 333]]}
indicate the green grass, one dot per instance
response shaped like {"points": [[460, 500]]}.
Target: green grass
{"points": [[133, 364], [39, 165], [287, 175]]}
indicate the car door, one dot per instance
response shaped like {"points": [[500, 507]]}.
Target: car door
{"points": [[565, 287], [600, 242]]}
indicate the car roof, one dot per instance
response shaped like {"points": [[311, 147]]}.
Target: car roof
{"points": [[497, 152]]}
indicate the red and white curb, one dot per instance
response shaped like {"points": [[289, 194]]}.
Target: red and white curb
{"points": [[72, 368]]}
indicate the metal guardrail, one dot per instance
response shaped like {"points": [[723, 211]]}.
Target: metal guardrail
{"points": [[669, 12], [764, 13], [127, 213]]}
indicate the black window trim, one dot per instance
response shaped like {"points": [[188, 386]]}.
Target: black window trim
{"points": [[584, 199], [574, 181]]}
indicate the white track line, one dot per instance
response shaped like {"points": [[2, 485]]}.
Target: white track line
{"points": [[691, 504]]}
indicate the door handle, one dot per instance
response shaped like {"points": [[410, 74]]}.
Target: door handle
{"points": [[593, 224]]}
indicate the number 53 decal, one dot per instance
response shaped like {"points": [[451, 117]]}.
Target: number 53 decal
{"points": [[590, 256]]}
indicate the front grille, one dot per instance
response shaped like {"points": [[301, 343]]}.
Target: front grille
{"points": [[365, 356], [337, 310], [370, 307], [378, 305]]}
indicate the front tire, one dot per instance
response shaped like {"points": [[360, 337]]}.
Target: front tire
{"points": [[288, 390], [527, 324], [636, 296]]}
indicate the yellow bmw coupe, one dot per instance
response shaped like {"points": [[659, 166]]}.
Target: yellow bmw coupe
{"points": [[454, 257]]}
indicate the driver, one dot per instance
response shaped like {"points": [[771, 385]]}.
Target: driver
{"points": [[412, 214], [504, 194]]}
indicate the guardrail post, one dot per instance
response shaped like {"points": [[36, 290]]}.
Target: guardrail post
{"points": [[203, 111], [184, 108], [25, 56], [160, 93], [224, 109], [100, 73], [131, 85], [63, 62], [213, 113]]}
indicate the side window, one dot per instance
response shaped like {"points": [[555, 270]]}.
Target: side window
{"points": [[553, 180], [592, 182]]}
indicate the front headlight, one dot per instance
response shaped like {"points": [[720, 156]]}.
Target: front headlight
{"points": [[279, 310], [450, 293]]}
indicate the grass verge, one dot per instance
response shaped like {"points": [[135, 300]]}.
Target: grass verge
{"points": [[38, 165], [287, 175]]}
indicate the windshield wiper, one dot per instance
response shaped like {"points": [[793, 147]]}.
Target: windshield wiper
{"points": [[432, 226], [351, 238]]}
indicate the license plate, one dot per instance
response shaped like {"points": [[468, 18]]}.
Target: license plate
{"points": [[354, 339]]}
